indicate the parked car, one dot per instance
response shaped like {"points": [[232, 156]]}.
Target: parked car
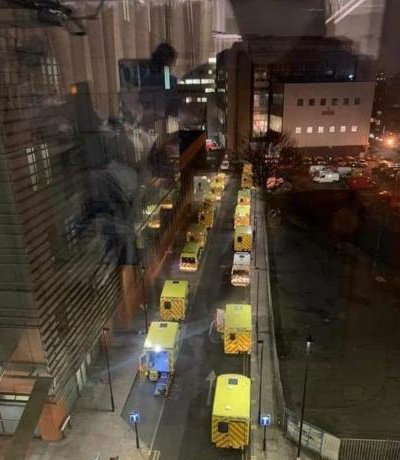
{"points": [[344, 171], [362, 164], [327, 177], [320, 161], [340, 161], [360, 182], [307, 161], [224, 165], [315, 169]]}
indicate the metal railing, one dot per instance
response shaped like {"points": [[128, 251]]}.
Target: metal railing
{"points": [[369, 449]]}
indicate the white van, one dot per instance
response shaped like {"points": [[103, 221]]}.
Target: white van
{"points": [[327, 177], [316, 169]]}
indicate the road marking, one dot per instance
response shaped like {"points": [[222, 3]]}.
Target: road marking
{"points": [[155, 455]]}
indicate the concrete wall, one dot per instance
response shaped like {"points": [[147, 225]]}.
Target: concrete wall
{"points": [[328, 115]]}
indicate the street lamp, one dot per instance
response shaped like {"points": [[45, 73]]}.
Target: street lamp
{"points": [[106, 329], [143, 268], [309, 341]]}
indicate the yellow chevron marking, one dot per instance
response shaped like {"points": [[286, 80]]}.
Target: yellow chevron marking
{"points": [[241, 343], [176, 312]]}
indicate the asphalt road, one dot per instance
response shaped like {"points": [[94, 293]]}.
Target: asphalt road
{"points": [[179, 426], [323, 283]]}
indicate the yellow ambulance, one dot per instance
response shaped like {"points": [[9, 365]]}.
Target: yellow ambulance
{"points": [[243, 238], [206, 215], [174, 300], [197, 233], [237, 328], [242, 215], [247, 181], [190, 257], [217, 189], [159, 354], [244, 196], [230, 421]]}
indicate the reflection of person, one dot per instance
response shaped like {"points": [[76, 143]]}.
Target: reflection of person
{"points": [[159, 95], [160, 102]]}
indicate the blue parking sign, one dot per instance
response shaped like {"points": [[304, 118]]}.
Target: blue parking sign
{"points": [[265, 420], [134, 416]]}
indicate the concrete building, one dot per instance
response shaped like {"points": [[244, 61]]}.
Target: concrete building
{"points": [[260, 81], [86, 200]]}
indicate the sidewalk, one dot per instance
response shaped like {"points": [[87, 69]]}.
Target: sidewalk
{"points": [[278, 447]]}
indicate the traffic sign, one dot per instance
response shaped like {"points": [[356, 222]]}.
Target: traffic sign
{"points": [[265, 420], [134, 416]]}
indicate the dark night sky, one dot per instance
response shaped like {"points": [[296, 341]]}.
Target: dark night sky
{"points": [[307, 17]]}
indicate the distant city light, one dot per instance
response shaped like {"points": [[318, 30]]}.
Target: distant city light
{"points": [[389, 141]]}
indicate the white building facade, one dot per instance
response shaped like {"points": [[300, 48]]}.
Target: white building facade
{"points": [[326, 115]]}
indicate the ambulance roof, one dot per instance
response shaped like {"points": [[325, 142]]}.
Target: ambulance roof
{"points": [[242, 229], [241, 258], [175, 288], [244, 193], [232, 397], [238, 316], [162, 335], [242, 209], [199, 227], [191, 248]]}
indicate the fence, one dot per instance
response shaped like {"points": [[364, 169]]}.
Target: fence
{"points": [[369, 449]]}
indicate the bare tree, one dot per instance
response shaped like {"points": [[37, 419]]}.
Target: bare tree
{"points": [[267, 154]]}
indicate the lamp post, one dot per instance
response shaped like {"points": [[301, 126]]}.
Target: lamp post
{"points": [[106, 329], [143, 269], [257, 291], [260, 342], [309, 341]]}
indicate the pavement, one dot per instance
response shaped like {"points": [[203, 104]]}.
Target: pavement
{"points": [[178, 427]]}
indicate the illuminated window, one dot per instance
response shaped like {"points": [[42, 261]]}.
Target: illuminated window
{"points": [[309, 129], [212, 60], [210, 71], [209, 90], [354, 129], [126, 12], [297, 130], [343, 129], [260, 124], [331, 129], [320, 129], [207, 81], [188, 99], [275, 123]]}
